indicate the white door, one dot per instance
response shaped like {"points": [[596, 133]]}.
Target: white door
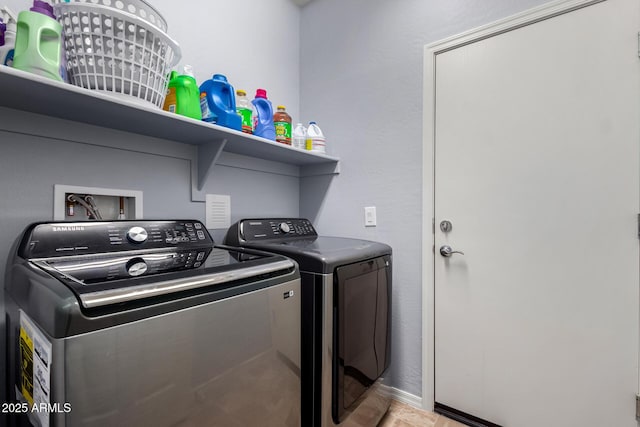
{"points": [[537, 169]]}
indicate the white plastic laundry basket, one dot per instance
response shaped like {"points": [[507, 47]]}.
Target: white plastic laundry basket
{"points": [[109, 48]]}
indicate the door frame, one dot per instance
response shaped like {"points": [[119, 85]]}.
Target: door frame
{"points": [[528, 17]]}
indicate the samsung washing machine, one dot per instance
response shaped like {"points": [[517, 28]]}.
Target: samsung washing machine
{"points": [[148, 323], [346, 316]]}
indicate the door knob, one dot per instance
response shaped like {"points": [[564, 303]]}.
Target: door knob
{"points": [[446, 251]]}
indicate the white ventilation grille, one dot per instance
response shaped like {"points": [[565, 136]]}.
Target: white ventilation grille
{"points": [[218, 211]]}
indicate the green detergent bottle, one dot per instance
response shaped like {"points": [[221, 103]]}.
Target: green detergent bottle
{"points": [[38, 41], [183, 94]]}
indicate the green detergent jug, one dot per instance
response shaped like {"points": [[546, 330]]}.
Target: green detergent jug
{"points": [[183, 95], [38, 41]]}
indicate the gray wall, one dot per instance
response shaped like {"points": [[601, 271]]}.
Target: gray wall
{"points": [[362, 80]]}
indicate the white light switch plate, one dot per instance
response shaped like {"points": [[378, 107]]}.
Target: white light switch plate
{"points": [[370, 216]]}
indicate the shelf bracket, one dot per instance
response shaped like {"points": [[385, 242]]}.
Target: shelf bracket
{"points": [[328, 168], [207, 157]]}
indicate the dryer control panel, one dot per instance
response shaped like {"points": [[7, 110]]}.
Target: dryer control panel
{"points": [[253, 230]]}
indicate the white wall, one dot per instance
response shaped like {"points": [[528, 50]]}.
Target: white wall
{"points": [[255, 43], [361, 79]]}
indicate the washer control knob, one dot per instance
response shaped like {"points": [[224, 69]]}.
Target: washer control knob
{"points": [[137, 235], [136, 267], [284, 227]]}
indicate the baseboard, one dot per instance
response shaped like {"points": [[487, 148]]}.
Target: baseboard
{"points": [[408, 398], [462, 417]]}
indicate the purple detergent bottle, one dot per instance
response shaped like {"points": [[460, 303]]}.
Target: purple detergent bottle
{"points": [[264, 116]]}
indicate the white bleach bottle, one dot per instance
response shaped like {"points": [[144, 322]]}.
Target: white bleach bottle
{"points": [[8, 23], [315, 138], [299, 136]]}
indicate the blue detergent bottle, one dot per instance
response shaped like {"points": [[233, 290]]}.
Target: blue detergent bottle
{"points": [[218, 103], [264, 116]]}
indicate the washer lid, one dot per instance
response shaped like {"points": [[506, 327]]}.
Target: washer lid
{"points": [[120, 277]]}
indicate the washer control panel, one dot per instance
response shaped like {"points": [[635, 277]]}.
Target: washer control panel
{"points": [[88, 237], [252, 230]]}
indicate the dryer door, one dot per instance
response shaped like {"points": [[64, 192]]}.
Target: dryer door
{"points": [[361, 311]]}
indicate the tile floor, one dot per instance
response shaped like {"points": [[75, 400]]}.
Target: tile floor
{"points": [[403, 415]]}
